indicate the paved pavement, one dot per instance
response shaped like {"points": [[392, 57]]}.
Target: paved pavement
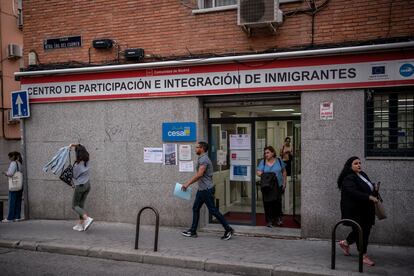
{"points": [[244, 255]]}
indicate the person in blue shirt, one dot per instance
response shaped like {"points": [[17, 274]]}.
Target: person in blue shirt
{"points": [[272, 200]]}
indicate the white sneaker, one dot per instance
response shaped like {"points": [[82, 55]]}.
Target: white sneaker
{"points": [[78, 227], [87, 223], [6, 221]]}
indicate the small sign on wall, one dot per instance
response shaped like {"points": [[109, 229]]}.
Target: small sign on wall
{"points": [[62, 42], [326, 111]]}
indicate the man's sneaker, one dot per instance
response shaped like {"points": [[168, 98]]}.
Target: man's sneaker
{"points": [[228, 234], [78, 227], [189, 234], [87, 223], [345, 247], [6, 221]]}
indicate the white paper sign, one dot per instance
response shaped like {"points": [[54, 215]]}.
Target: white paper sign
{"points": [[185, 152], [241, 157], [152, 155], [186, 166], [240, 141], [240, 173], [170, 154], [326, 111], [221, 157]]}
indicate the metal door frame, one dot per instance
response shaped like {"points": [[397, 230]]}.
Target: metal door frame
{"points": [[252, 121]]}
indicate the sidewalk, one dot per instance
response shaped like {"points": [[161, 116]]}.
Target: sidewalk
{"points": [[241, 255]]}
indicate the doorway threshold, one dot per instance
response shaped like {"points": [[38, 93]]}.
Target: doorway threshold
{"points": [[256, 231]]}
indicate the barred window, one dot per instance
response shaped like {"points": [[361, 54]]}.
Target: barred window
{"points": [[205, 4], [390, 122]]}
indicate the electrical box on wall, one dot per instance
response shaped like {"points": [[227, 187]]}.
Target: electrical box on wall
{"points": [[14, 51], [10, 119], [104, 43], [135, 54]]}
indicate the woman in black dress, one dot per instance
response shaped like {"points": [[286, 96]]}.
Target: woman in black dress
{"points": [[358, 198]]}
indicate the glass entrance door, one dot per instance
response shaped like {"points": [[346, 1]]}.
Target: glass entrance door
{"points": [[231, 156], [273, 133], [237, 192]]}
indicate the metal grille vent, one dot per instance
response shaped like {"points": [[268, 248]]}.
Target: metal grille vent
{"points": [[257, 11]]}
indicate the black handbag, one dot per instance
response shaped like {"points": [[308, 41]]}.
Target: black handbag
{"points": [[268, 181], [67, 174]]}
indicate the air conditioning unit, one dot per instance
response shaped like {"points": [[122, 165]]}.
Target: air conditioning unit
{"points": [[258, 12], [10, 119], [14, 51]]}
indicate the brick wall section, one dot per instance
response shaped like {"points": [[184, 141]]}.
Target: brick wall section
{"points": [[168, 28]]}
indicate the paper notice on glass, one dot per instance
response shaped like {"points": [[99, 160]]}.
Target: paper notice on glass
{"points": [[241, 157], [221, 158], [240, 173], [152, 155], [186, 166], [170, 154], [185, 152], [240, 141], [182, 194]]}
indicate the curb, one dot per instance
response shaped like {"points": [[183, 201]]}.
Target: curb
{"points": [[155, 258]]}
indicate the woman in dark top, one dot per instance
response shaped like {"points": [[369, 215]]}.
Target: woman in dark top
{"points": [[358, 198]]}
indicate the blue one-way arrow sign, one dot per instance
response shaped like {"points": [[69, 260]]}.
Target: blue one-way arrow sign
{"points": [[20, 104]]}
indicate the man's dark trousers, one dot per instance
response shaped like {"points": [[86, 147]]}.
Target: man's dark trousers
{"points": [[206, 196]]}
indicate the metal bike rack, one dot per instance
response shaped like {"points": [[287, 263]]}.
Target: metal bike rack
{"points": [[359, 238], [157, 227]]}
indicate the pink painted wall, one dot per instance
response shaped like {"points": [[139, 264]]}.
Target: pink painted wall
{"points": [[9, 33]]}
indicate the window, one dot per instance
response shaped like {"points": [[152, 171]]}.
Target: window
{"points": [[390, 122], [206, 4]]}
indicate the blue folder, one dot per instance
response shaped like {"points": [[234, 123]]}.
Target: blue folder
{"points": [[181, 194]]}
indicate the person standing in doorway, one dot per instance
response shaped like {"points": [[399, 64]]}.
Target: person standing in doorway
{"points": [[358, 198], [204, 176], [286, 152], [82, 187], [15, 197], [272, 199]]}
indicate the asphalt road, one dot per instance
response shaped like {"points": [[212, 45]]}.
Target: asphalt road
{"points": [[23, 262]]}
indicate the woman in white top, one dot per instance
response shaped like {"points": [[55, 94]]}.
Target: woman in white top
{"points": [[15, 197], [286, 152]]}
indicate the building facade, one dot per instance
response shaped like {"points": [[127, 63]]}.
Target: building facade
{"points": [[334, 76], [11, 41]]}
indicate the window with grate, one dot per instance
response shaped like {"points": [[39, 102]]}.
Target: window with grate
{"points": [[390, 122], [206, 4]]}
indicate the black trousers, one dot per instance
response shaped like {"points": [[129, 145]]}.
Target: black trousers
{"points": [[273, 210], [353, 236]]}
